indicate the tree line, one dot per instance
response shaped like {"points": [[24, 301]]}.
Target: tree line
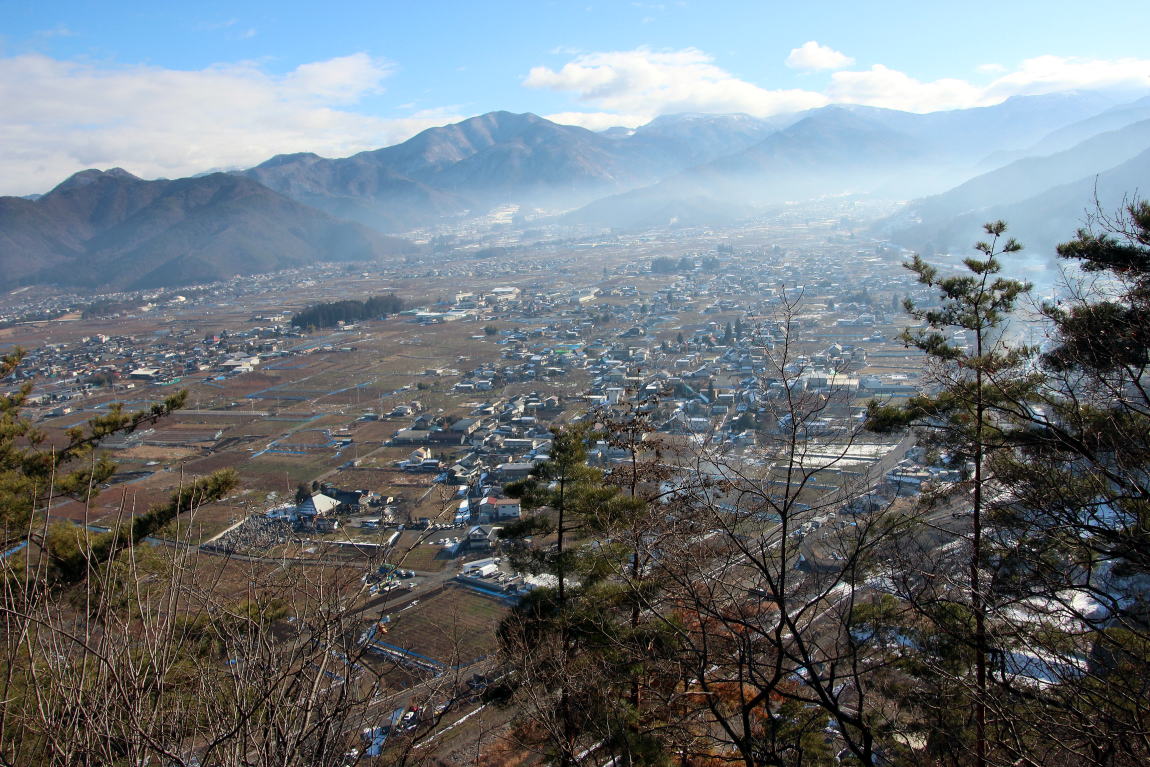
{"points": [[330, 314], [668, 265]]}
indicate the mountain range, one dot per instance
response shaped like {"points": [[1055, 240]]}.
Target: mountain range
{"points": [[1044, 197], [111, 229], [502, 158]]}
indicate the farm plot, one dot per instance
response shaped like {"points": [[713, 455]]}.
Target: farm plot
{"points": [[362, 396], [216, 461], [221, 419], [182, 435], [304, 439], [367, 478], [424, 557], [453, 627], [282, 470], [202, 524], [298, 364], [331, 378], [239, 386], [164, 455], [268, 427], [121, 500], [375, 432]]}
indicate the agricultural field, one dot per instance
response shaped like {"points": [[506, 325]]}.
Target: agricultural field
{"points": [[423, 557], [453, 627]]}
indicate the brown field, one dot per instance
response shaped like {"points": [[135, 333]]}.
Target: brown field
{"points": [[220, 419], [306, 438], [439, 505], [264, 427], [376, 432], [204, 523], [421, 557], [453, 627], [361, 478], [223, 460], [275, 471], [176, 434], [227, 578], [120, 501], [155, 453], [330, 421], [388, 455]]}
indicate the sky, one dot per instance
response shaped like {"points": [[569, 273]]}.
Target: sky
{"points": [[169, 89]]}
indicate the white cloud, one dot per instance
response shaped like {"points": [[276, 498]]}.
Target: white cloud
{"points": [[342, 80], [883, 87], [811, 55], [890, 88], [1050, 74], [63, 116], [628, 86], [649, 83], [598, 121]]}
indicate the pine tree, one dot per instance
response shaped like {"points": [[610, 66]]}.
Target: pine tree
{"points": [[973, 380], [563, 491], [1081, 510], [583, 651]]}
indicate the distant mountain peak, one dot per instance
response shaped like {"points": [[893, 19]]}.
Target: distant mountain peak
{"points": [[503, 114], [90, 176], [505, 119], [288, 159]]}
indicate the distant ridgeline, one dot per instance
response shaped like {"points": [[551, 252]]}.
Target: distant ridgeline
{"points": [[329, 315]]}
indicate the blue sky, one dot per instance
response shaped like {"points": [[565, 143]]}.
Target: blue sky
{"points": [[168, 88]]}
